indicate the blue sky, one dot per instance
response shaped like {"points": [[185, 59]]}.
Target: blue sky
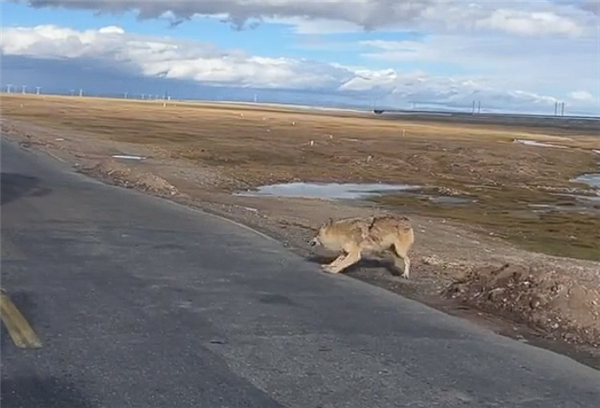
{"points": [[265, 41], [507, 54], [270, 40]]}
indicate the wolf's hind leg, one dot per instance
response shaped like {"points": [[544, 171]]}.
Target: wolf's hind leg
{"points": [[400, 254]]}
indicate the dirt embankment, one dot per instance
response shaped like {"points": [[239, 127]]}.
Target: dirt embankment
{"points": [[455, 264]]}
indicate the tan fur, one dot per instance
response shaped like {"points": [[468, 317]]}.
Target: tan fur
{"points": [[355, 236]]}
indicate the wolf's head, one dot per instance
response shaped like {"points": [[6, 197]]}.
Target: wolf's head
{"points": [[316, 240]]}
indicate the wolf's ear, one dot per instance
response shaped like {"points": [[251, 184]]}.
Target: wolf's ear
{"points": [[329, 221]]}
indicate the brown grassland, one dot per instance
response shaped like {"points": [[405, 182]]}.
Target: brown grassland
{"points": [[496, 254], [261, 146]]}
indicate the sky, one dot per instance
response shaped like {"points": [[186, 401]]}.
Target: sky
{"points": [[510, 56]]}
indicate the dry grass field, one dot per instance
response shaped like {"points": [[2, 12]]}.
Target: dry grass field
{"points": [[253, 146]]}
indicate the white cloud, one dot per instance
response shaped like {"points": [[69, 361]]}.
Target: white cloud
{"points": [[169, 58], [424, 89], [530, 23], [533, 63], [581, 96], [204, 63], [540, 17]]}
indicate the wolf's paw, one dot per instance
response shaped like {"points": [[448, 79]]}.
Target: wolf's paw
{"points": [[327, 268]]}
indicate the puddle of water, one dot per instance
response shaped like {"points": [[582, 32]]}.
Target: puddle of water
{"points": [[542, 206], [127, 157], [355, 191], [584, 204], [574, 209], [591, 179], [536, 143], [326, 190], [451, 200], [588, 199]]}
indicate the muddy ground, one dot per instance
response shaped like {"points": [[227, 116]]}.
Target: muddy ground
{"points": [[527, 274]]}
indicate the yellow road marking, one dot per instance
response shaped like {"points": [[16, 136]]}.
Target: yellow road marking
{"points": [[20, 331]]}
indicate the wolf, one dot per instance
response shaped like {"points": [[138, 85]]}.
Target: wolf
{"points": [[375, 234]]}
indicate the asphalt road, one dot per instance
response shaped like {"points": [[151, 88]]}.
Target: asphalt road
{"points": [[139, 302]]}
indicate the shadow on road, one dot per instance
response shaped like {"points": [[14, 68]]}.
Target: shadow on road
{"points": [[34, 391], [15, 186], [363, 263]]}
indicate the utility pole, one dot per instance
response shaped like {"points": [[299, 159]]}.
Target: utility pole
{"points": [[8, 86], [478, 106], [555, 108], [37, 90], [562, 112], [473, 108], [23, 87]]}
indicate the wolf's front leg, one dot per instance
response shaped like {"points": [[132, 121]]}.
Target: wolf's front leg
{"points": [[334, 262], [352, 258]]}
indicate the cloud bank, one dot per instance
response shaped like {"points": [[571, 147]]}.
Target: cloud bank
{"points": [[514, 16]]}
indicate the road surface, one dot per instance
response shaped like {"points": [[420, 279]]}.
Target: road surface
{"points": [[139, 302]]}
